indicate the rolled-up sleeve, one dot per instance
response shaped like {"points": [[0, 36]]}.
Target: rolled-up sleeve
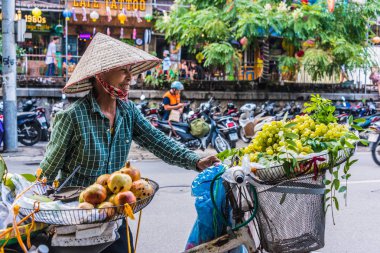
{"points": [[160, 145], [59, 144]]}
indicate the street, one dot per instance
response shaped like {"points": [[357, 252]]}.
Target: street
{"points": [[167, 221]]}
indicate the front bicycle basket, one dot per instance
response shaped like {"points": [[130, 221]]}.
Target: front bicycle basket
{"points": [[291, 215]]}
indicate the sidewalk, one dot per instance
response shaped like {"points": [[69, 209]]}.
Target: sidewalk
{"points": [[35, 154]]}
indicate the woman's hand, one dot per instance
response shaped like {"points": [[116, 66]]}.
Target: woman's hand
{"points": [[206, 162]]}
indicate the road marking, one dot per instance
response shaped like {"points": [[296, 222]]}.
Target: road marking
{"points": [[363, 182]]}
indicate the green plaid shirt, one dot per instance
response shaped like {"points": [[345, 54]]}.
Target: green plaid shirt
{"points": [[82, 136]]}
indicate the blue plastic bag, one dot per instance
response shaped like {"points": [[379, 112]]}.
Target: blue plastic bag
{"points": [[1, 132], [209, 225]]}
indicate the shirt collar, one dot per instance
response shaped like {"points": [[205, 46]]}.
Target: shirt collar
{"points": [[95, 108]]}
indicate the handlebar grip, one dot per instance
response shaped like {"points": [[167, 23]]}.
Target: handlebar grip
{"points": [[239, 176]]}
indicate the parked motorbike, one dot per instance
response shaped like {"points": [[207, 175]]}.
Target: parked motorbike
{"points": [[28, 127], [228, 128], [247, 122], [31, 106], [226, 124], [181, 131]]}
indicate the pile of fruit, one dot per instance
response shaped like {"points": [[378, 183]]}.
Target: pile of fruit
{"points": [[301, 136], [116, 189]]}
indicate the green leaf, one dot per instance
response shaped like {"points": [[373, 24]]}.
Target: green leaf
{"points": [[350, 119], [350, 163], [359, 128], [348, 144], [3, 168], [291, 135], [342, 189], [290, 125], [342, 140], [336, 183], [291, 142], [335, 173], [327, 207], [360, 120], [326, 182], [327, 191], [364, 142], [335, 200]]}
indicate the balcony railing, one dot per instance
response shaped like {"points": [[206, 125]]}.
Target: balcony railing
{"points": [[31, 72]]}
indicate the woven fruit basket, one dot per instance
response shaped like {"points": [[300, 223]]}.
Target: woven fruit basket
{"points": [[315, 164], [70, 214]]}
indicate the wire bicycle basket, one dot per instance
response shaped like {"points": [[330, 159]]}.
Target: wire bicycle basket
{"points": [[71, 215], [291, 215]]}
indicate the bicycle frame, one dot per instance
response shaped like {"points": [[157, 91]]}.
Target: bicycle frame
{"points": [[228, 242], [233, 239]]}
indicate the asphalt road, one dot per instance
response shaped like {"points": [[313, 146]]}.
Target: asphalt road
{"points": [[167, 221]]}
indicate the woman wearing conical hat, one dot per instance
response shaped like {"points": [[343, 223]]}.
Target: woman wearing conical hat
{"points": [[96, 132]]}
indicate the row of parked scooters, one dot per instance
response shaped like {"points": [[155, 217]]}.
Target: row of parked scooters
{"points": [[228, 125], [32, 123]]}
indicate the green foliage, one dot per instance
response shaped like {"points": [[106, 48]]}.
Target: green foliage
{"points": [[210, 26], [221, 54], [322, 109], [288, 64]]}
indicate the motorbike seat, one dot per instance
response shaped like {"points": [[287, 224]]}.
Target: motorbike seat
{"points": [[218, 119], [24, 115], [178, 124]]}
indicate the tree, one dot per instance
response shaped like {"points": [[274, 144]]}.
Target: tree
{"points": [[320, 41]]}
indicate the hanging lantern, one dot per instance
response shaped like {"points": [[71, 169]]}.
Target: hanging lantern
{"points": [[36, 12], [300, 54], [147, 36], [148, 18], [376, 40], [137, 14], [244, 41], [84, 14], [134, 34], [122, 18], [121, 33], [200, 57], [331, 5], [94, 16], [109, 14], [67, 14], [58, 28], [74, 14]]}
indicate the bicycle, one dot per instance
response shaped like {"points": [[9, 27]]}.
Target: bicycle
{"points": [[259, 219]]}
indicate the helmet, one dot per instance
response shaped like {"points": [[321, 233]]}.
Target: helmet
{"points": [[230, 106], [177, 85]]}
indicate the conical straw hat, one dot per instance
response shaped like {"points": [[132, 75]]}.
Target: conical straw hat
{"points": [[104, 54]]}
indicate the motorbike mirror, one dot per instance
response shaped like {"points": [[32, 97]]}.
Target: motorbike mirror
{"points": [[343, 98], [142, 97]]}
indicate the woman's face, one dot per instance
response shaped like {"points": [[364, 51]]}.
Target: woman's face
{"points": [[119, 78]]}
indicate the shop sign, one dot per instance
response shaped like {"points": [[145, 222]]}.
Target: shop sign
{"points": [[36, 20], [129, 5], [38, 27]]}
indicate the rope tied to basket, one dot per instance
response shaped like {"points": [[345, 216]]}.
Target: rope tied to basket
{"points": [[312, 164]]}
